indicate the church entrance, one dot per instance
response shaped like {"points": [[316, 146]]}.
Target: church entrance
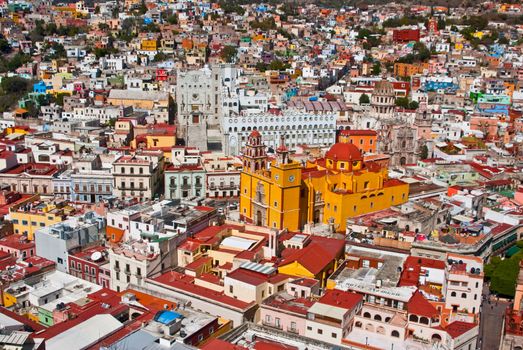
{"points": [[403, 161], [259, 218]]}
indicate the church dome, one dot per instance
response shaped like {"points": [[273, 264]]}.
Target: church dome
{"points": [[255, 133], [383, 88], [344, 152]]}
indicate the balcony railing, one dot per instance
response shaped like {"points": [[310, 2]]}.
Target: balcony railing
{"points": [[272, 325], [292, 330], [130, 188]]}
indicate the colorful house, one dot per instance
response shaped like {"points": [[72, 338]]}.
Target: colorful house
{"points": [[317, 260]]}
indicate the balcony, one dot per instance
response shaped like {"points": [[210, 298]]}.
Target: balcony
{"points": [[186, 186], [293, 330], [272, 325], [131, 188], [198, 185], [117, 268], [127, 272]]}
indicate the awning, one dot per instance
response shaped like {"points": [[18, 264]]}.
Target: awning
{"points": [[512, 250]]}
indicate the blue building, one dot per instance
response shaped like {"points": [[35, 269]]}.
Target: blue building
{"points": [[40, 87]]}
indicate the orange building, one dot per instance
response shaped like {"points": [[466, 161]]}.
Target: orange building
{"points": [[365, 140], [407, 69]]}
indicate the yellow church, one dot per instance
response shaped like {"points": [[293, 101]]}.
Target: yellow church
{"points": [[282, 193]]}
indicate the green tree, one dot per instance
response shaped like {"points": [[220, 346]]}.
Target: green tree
{"points": [[376, 69], [14, 84], [424, 152], [103, 26], [413, 105], [277, 65], [172, 19], [364, 99], [261, 66], [143, 8], [59, 98], [160, 56], [228, 53], [4, 46], [402, 102]]}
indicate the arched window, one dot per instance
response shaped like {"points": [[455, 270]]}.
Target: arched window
{"points": [[464, 295], [424, 320], [436, 338], [366, 315], [377, 317], [395, 334], [453, 294], [413, 318]]}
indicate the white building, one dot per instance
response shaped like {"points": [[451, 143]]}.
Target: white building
{"points": [[298, 127]]}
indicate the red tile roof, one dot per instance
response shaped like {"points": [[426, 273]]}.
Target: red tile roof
{"points": [[342, 299], [222, 345], [267, 345], [255, 278], [420, 306], [35, 169], [317, 254], [185, 284], [358, 133], [412, 268], [18, 242], [27, 322], [457, 328]]}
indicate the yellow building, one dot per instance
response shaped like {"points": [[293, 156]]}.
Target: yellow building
{"points": [[30, 217], [149, 44], [328, 190]]}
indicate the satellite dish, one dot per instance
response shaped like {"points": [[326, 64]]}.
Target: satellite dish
{"points": [[96, 256]]}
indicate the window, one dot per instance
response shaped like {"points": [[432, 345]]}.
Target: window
{"points": [[34, 223], [230, 289], [268, 318], [200, 337], [453, 294], [464, 295], [60, 260], [334, 335], [320, 331], [309, 328]]}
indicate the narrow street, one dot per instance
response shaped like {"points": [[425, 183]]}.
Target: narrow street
{"points": [[492, 318]]}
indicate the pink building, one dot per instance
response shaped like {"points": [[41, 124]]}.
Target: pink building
{"points": [[287, 311], [18, 246]]}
